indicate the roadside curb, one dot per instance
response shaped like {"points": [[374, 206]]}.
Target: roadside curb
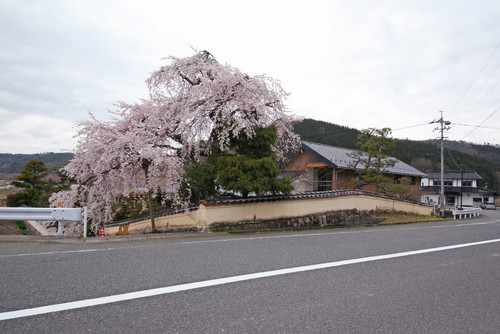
{"points": [[114, 238]]}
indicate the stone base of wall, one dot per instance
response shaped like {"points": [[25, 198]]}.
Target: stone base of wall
{"points": [[161, 229], [344, 218]]}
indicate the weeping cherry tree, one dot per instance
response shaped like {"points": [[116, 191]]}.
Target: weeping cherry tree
{"points": [[195, 104]]}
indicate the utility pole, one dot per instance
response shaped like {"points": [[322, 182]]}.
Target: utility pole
{"points": [[444, 126]]}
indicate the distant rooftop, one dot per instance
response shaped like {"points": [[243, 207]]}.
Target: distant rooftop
{"points": [[339, 157], [455, 174]]}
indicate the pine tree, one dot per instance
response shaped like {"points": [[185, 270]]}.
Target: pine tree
{"points": [[35, 189], [250, 166], [371, 161]]}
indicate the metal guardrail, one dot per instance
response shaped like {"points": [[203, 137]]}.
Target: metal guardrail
{"points": [[70, 214], [466, 213], [55, 214]]}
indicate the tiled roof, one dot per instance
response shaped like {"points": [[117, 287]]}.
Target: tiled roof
{"points": [[458, 190], [455, 174], [339, 157]]}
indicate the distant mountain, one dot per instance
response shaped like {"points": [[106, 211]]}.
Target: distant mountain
{"points": [[326, 133], [13, 163], [488, 152], [423, 155]]}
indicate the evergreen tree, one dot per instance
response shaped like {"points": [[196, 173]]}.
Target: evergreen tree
{"points": [[371, 162], [35, 190], [250, 165], [198, 181]]}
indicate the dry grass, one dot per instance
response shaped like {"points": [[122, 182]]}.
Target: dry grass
{"points": [[4, 193], [404, 218]]}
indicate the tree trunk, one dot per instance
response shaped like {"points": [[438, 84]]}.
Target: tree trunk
{"points": [[150, 202], [145, 167]]}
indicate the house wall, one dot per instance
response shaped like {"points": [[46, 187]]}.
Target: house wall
{"points": [[432, 199], [304, 182], [426, 182], [467, 199], [202, 218], [300, 161], [342, 178]]}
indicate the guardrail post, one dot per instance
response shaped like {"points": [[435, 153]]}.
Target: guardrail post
{"points": [[85, 222], [60, 228]]}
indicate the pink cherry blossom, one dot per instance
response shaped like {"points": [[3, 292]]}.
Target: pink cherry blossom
{"points": [[194, 103]]}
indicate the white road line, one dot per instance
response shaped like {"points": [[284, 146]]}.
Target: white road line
{"points": [[220, 281], [333, 233], [90, 250], [302, 235]]}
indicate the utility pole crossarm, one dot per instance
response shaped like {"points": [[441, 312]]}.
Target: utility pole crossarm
{"points": [[444, 126]]}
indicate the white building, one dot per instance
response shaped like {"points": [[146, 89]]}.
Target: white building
{"points": [[460, 189]]}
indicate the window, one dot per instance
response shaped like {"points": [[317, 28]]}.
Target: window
{"points": [[437, 182], [323, 177], [467, 183], [450, 200]]}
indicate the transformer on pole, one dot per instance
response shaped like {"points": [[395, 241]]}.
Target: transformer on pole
{"points": [[444, 126]]}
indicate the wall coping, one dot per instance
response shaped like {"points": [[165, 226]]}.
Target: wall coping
{"points": [[260, 199]]}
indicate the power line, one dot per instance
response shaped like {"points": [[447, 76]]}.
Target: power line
{"points": [[449, 153], [411, 126], [475, 128], [475, 79]]}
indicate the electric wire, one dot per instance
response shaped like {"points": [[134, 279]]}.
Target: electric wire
{"points": [[475, 79], [456, 164], [476, 127], [411, 126]]}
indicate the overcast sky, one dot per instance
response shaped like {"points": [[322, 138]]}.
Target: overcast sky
{"points": [[354, 63]]}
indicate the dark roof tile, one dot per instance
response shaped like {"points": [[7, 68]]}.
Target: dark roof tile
{"points": [[340, 157]]}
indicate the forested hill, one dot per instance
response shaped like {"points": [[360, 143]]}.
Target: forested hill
{"points": [[13, 163], [421, 155], [326, 133], [483, 151], [484, 159]]}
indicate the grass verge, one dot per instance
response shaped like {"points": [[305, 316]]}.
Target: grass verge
{"points": [[404, 218], [22, 226]]}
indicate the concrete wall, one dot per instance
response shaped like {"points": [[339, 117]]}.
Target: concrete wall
{"points": [[269, 209], [185, 221], [304, 207]]}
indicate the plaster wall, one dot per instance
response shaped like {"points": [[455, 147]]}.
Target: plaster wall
{"points": [[202, 218]]}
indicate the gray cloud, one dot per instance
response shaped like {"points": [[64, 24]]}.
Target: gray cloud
{"points": [[356, 63]]}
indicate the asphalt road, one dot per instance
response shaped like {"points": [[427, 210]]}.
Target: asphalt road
{"points": [[433, 290]]}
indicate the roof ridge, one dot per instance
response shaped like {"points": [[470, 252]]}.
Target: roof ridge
{"points": [[341, 157], [340, 147]]}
